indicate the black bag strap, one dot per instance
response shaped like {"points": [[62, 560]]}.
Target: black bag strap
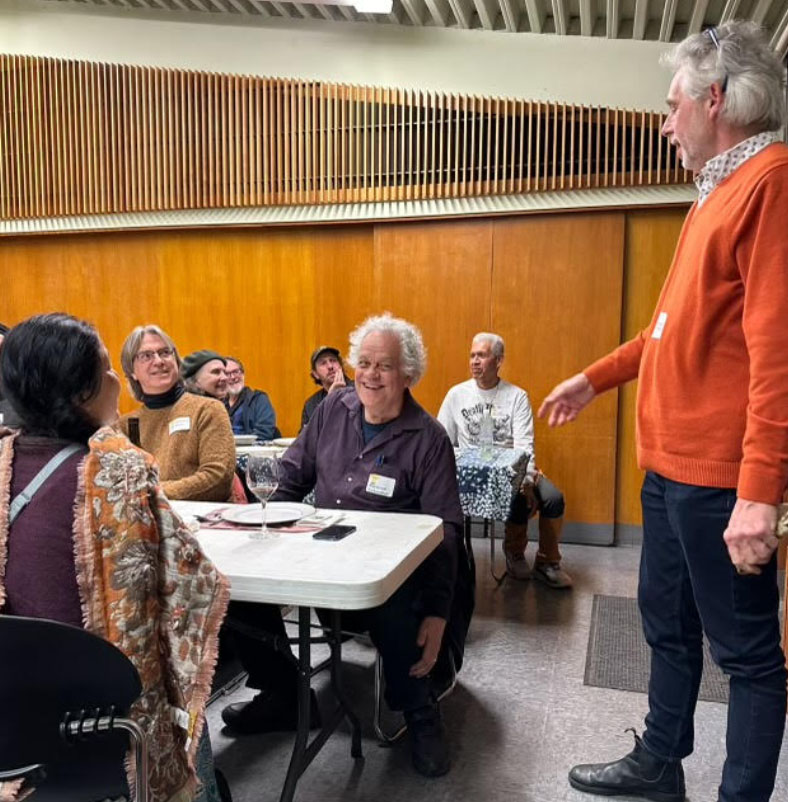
{"points": [[26, 495]]}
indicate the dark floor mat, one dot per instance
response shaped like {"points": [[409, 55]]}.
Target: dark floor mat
{"points": [[618, 657]]}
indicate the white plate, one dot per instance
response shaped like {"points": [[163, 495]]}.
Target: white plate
{"points": [[284, 441], [245, 439], [279, 512]]}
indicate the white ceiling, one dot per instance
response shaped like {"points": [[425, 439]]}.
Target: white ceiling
{"points": [[656, 20]]}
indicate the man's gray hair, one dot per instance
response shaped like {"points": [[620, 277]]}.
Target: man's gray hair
{"points": [[495, 340], [129, 351], [742, 61], [413, 354]]}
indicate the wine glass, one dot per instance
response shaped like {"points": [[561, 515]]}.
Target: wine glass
{"points": [[262, 478]]}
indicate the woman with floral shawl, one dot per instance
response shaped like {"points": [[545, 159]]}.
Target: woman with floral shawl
{"points": [[99, 546]]}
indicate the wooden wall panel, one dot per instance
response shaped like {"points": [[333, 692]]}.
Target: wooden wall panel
{"points": [[266, 296], [550, 284], [438, 276], [651, 237], [556, 299]]}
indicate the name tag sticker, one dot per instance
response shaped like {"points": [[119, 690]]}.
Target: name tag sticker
{"points": [[381, 485], [180, 425], [658, 329]]}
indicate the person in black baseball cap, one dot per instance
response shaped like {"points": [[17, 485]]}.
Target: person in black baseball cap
{"points": [[327, 371]]}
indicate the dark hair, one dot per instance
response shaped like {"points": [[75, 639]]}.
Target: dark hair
{"points": [[49, 366], [3, 329]]}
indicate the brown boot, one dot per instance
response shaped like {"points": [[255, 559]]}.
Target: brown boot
{"points": [[547, 566], [514, 542]]}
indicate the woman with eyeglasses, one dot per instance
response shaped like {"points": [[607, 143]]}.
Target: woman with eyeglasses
{"points": [[190, 435], [70, 552]]}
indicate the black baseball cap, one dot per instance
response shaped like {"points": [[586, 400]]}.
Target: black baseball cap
{"points": [[323, 349]]}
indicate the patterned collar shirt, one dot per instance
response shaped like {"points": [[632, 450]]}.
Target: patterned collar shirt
{"points": [[721, 166]]}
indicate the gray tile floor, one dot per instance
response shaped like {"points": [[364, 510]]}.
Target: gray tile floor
{"points": [[519, 718]]}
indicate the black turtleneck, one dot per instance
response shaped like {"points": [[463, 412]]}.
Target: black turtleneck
{"points": [[161, 400]]}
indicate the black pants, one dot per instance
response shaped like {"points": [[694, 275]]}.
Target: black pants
{"points": [[393, 628]]}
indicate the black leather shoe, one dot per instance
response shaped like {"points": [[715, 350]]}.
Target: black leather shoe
{"points": [[268, 712], [428, 748], [639, 774]]}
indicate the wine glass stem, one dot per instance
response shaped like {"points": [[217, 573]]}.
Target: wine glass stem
{"points": [[264, 502]]}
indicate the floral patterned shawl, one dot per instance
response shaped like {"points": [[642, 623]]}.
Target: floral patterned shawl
{"points": [[144, 585]]}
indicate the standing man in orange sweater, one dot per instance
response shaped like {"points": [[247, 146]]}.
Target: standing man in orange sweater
{"points": [[712, 427]]}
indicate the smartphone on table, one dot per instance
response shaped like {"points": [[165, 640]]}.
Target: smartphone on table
{"points": [[334, 532]]}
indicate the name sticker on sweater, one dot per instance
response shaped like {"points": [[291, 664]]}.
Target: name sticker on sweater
{"points": [[381, 485], [180, 425], [659, 328]]}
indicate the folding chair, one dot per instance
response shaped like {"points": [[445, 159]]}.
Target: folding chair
{"points": [[65, 695]]}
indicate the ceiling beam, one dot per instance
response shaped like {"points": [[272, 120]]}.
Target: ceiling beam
{"points": [[415, 11], [439, 11], [260, 8], [241, 8], [348, 13], [559, 17], [613, 19], [641, 19], [761, 10], [395, 16], [698, 16], [325, 11], [587, 18], [488, 11], [511, 16], [281, 9], [181, 4], [780, 39], [536, 15], [303, 10], [198, 4], [462, 11], [668, 20], [729, 12]]}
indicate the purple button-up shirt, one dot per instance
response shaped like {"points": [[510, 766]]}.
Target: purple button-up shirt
{"points": [[413, 450]]}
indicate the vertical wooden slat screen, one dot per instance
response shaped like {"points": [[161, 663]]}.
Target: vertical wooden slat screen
{"points": [[86, 138]]}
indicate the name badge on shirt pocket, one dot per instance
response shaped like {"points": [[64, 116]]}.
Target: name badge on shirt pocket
{"points": [[381, 485], [660, 326], [180, 425]]}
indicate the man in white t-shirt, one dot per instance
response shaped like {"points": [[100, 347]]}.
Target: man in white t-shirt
{"points": [[487, 408]]}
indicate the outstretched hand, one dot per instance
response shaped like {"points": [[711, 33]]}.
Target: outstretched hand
{"points": [[567, 399]]}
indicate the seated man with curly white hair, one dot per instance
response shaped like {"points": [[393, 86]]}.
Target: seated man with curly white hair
{"points": [[373, 447]]}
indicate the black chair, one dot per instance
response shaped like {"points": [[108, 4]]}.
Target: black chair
{"points": [[64, 697]]}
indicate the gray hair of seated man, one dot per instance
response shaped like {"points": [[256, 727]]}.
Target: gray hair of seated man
{"points": [[129, 351], [736, 56], [495, 340], [413, 354]]}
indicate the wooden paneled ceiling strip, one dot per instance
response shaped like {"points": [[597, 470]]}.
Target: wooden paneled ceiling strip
{"points": [[83, 138]]}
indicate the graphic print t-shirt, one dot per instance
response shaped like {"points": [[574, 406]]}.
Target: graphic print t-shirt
{"points": [[466, 404]]}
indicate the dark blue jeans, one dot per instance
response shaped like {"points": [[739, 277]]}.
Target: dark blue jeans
{"points": [[689, 586]]}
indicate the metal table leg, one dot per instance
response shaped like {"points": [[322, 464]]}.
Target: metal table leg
{"points": [[503, 576], [304, 752]]}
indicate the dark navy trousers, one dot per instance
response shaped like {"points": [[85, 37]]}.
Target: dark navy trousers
{"points": [[689, 586]]}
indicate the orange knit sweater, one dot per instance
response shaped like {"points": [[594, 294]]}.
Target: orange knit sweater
{"points": [[712, 406]]}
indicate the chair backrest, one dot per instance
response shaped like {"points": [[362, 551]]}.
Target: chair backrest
{"points": [[47, 670]]}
